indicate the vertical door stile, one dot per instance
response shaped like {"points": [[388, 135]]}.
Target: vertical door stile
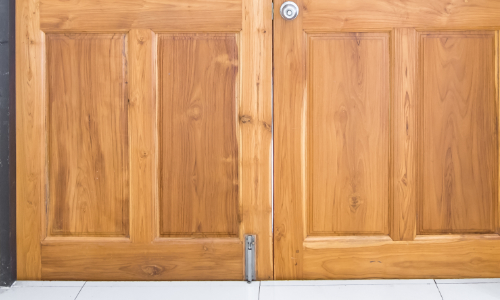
{"points": [[289, 72], [497, 86], [142, 111], [31, 140], [255, 123], [403, 138]]}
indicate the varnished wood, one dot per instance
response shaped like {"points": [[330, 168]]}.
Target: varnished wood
{"points": [[206, 259], [334, 15], [198, 191], [289, 162], [456, 257], [88, 135], [142, 113], [459, 150], [157, 15], [404, 186], [141, 251], [255, 124], [463, 87], [497, 86], [348, 134], [353, 241], [30, 138]]}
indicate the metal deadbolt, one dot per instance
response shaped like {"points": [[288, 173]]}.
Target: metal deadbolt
{"points": [[289, 10]]}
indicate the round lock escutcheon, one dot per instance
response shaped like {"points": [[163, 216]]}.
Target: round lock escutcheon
{"points": [[289, 10]]}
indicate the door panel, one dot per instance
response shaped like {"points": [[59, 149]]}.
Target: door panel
{"points": [[386, 140], [459, 157], [348, 134], [87, 138], [198, 141], [144, 139]]}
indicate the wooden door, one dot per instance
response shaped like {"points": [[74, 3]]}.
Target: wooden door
{"points": [[143, 138], [386, 140]]}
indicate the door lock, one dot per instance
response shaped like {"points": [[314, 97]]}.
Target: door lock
{"points": [[289, 10]]}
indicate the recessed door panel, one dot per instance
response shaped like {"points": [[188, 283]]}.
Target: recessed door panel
{"points": [[348, 134], [459, 155], [88, 135], [199, 192]]}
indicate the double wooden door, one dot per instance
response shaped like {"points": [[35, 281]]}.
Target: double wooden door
{"points": [[145, 147]]}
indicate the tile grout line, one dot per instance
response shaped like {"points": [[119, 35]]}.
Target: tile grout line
{"points": [[352, 284], [260, 284], [493, 282], [80, 290], [438, 289]]}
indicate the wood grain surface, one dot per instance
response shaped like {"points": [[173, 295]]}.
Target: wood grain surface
{"points": [[441, 164], [404, 134], [289, 146], [202, 259], [255, 124], [223, 66], [187, 153], [459, 152], [453, 257], [334, 15], [157, 15], [348, 134], [142, 132], [31, 135], [198, 136], [88, 135]]}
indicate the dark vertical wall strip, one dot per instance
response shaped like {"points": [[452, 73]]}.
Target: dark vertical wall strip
{"points": [[12, 138], [7, 144]]}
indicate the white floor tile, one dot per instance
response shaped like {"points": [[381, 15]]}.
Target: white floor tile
{"points": [[174, 291], [482, 291], [27, 283], [352, 292], [345, 282], [472, 280], [187, 284], [39, 293], [463, 289]]}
